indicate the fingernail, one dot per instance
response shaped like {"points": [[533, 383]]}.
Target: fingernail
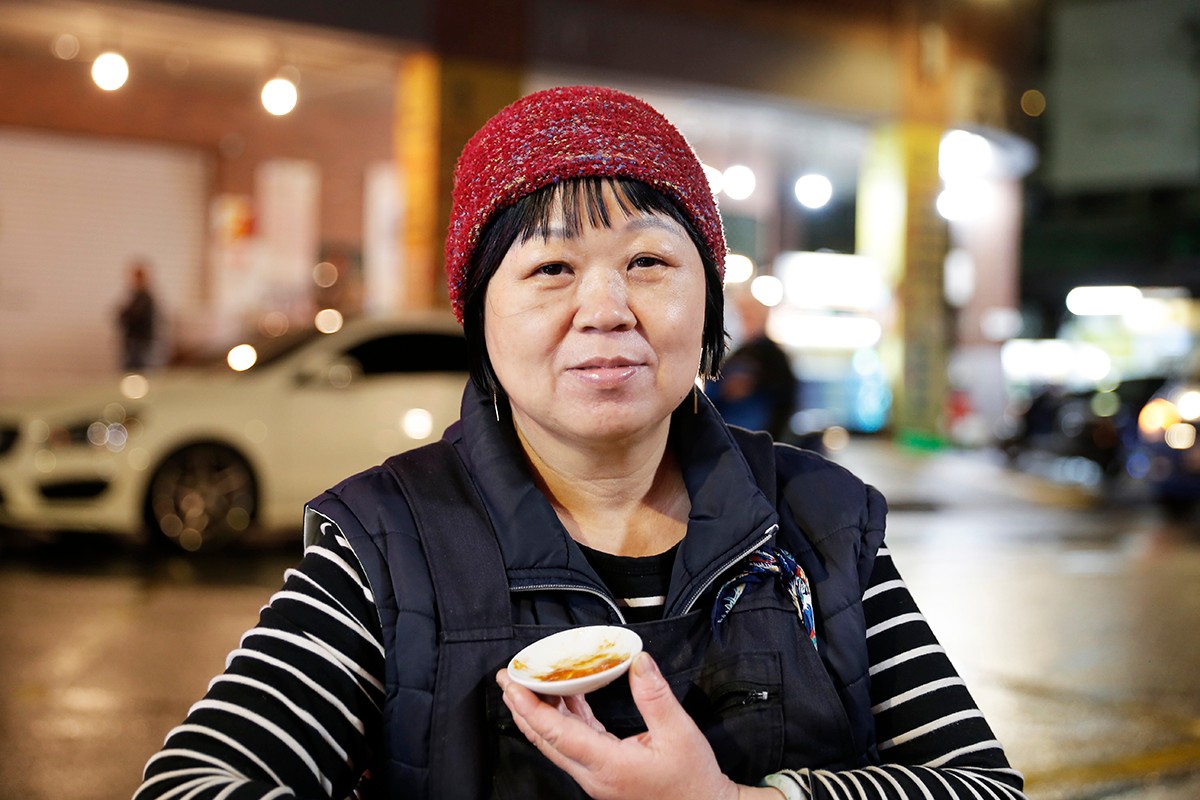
{"points": [[645, 668], [514, 698]]}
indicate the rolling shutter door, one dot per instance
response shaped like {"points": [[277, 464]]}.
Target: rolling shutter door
{"points": [[73, 212]]}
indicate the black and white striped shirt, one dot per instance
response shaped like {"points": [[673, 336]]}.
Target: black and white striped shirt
{"points": [[298, 706]]}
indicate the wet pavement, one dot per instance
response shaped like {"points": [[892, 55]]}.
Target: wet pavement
{"points": [[1070, 612]]}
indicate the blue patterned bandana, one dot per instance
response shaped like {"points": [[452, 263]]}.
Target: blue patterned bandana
{"points": [[762, 565]]}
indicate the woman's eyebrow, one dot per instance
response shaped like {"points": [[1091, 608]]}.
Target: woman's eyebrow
{"points": [[652, 221], [546, 233]]}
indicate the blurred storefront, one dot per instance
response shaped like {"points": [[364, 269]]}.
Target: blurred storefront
{"points": [[262, 207], [1111, 248]]}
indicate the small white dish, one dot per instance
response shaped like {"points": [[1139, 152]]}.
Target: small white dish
{"points": [[575, 661]]}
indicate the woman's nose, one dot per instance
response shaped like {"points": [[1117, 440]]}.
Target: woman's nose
{"points": [[604, 302]]}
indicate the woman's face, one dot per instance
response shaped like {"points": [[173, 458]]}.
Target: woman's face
{"points": [[597, 337]]}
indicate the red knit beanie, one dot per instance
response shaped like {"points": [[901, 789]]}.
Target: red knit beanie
{"points": [[572, 132]]}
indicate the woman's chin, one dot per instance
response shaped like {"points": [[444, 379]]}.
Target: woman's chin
{"points": [[614, 422]]}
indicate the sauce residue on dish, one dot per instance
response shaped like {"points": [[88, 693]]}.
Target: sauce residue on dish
{"points": [[579, 667]]}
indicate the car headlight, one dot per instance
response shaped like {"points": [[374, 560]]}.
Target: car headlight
{"points": [[1180, 436], [1156, 417], [1188, 405], [111, 430]]}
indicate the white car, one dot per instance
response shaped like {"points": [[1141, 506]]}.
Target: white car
{"points": [[196, 456]]}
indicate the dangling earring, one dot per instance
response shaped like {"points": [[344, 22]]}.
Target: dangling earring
{"points": [[695, 400], [496, 406]]}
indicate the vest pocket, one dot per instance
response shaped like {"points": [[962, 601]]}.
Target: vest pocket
{"points": [[738, 704], [519, 771]]}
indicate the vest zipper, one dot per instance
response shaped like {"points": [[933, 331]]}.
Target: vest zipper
{"points": [[743, 694], [572, 587], [704, 587]]}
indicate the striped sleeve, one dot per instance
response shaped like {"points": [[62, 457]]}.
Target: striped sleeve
{"points": [[933, 740], [298, 705]]}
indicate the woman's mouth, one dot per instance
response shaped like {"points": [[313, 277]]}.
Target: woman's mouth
{"points": [[606, 372]]}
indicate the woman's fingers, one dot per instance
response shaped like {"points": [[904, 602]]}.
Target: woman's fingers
{"points": [[568, 741], [577, 704], [572, 704], [671, 759], [662, 713]]}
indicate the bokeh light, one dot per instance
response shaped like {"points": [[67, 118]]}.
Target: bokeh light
{"points": [[835, 438], [767, 289], [242, 357], [1033, 102], [417, 423], [110, 71], [1180, 436], [325, 274], [963, 155], [813, 191], [1105, 404], [1189, 405], [966, 199], [1098, 301], [65, 46], [279, 96], [328, 320], [738, 181], [274, 324], [135, 386], [738, 268], [1157, 415]]}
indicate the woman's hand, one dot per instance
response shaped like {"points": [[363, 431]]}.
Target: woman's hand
{"points": [[672, 759]]}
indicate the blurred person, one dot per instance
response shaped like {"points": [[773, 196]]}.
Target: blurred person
{"points": [[136, 319], [757, 388], [589, 482]]}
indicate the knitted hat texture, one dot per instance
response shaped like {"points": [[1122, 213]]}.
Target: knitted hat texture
{"points": [[571, 132]]}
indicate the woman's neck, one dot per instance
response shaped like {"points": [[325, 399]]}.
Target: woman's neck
{"points": [[627, 499]]}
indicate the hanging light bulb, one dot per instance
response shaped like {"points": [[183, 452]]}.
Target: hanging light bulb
{"points": [[110, 70], [279, 95]]}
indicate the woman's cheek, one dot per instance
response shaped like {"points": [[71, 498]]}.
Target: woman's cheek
{"points": [[683, 308]]}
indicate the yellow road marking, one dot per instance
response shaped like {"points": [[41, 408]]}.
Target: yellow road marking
{"points": [[1177, 759]]}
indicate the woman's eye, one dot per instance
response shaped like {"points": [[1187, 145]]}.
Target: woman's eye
{"points": [[646, 261], [551, 269]]}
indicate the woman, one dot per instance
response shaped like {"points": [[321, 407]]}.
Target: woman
{"points": [[589, 482]]}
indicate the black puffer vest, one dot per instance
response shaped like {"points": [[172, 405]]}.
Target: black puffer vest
{"points": [[445, 531]]}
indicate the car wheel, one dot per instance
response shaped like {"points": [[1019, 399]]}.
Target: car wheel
{"points": [[202, 497]]}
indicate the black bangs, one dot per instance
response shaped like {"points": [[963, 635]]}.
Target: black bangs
{"points": [[582, 199]]}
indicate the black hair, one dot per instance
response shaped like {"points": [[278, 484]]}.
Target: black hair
{"points": [[531, 216]]}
